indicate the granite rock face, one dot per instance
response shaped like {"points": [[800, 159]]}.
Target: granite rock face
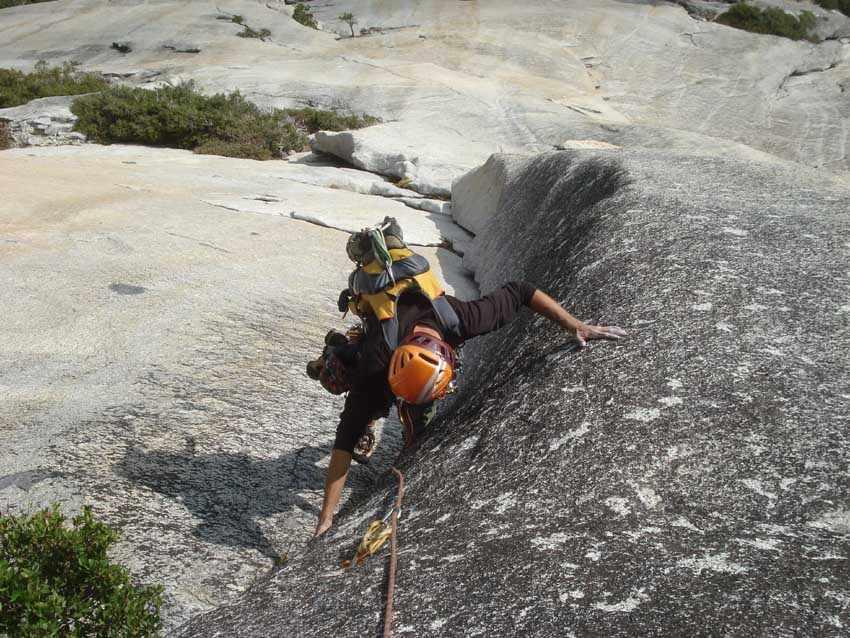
{"points": [[457, 82], [153, 345], [158, 307], [690, 479]]}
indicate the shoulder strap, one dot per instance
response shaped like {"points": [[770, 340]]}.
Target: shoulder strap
{"points": [[362, 283], [446, 315], [390, 329]]}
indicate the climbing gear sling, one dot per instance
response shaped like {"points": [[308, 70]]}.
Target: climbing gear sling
{"points": [[379, 531]]}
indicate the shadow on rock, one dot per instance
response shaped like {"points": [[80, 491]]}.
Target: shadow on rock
{"points": [[230, 492]]}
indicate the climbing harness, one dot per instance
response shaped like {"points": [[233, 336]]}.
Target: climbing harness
{"points": [[365, 445]]}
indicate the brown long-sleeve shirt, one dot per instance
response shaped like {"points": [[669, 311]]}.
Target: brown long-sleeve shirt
{"points": [[370, 396]]}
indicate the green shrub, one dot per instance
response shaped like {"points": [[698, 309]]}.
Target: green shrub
{"points": [[58, 581], [313, 120], [180, 117], [771, 21], [303, 15], [17, 87], [248, 32], [14, 3], [6, 140], [842, 5]]}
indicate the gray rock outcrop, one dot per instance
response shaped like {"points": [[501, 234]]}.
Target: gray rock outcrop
{"points": [[44, 122], [457, 83], [691, 478]]}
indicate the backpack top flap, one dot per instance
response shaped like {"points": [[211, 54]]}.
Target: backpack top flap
{"points": [[372, 278]]}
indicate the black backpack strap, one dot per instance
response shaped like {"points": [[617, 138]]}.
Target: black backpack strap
{"points": [[449, 321], [390, 330], [361, 282], [446, 316]]}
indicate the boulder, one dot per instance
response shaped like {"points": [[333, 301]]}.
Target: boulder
{"points": [[425, 163], [44, 122], [689, 479]]}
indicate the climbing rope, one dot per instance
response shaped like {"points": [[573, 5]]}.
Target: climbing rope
{"points": [[376, 535], [388, 613]]}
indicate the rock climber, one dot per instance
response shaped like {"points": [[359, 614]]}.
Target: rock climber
{"points": [[406, 354]]}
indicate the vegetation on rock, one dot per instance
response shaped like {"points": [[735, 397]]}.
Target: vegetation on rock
{"points": [[121, 47], [770, 21], [313, 120], [181, 117], [5, 136], [248, 32], [349, 19], [57, 580], [841, 5], [14, 3], [303, 15], [17, 87]]}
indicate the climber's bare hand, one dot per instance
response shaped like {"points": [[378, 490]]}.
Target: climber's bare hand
{"points": [[585, 332]]}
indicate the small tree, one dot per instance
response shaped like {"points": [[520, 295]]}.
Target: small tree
{"points": [[349, 19], [303, 15]]}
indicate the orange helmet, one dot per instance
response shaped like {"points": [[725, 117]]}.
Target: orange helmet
{"points": [[421, 369]]}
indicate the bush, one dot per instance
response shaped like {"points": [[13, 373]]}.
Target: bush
{"points": [[303, 15], [57, 581], [248, 32], [841, 5], [6, 140], [180, 117], [18, 88], [771, 21], [121, 47], [313, 120], [14, 3]]}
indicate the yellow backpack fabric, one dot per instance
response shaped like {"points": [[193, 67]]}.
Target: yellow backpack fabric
{"points": [[382, 304], [375, 290]]}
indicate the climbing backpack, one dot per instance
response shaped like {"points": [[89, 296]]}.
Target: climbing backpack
{"points": [[386, 269]]}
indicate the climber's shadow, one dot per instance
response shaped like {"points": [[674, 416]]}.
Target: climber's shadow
{"points": [[229, 492]]}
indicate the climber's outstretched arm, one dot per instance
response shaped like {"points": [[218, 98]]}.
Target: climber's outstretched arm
{"points": [[335, 481], [544, 305]]}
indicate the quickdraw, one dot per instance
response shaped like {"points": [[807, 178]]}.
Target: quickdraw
{"points": [[377, 534]]}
